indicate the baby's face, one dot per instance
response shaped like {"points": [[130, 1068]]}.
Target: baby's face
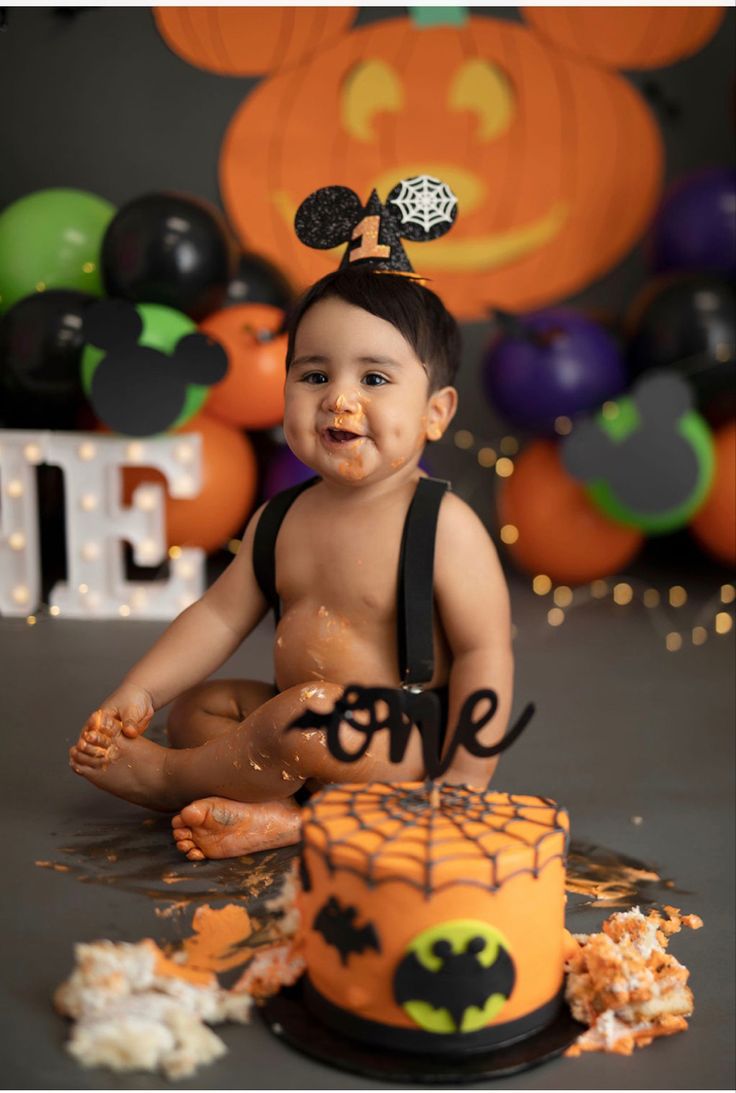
{"points": [[357, 397]]}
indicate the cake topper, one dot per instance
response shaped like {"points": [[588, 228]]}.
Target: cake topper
{"points": [[404, 709], [417, 209]]}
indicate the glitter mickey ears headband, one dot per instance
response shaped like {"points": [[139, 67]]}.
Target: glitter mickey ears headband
{"points": [[417, 209]]}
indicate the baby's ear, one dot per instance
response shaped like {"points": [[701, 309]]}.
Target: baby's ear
{"points": [[442, 407], [586, 453], [662, 397], [200, 359], [327, 217], [111, 324]]}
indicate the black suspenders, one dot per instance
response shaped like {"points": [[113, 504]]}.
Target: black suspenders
{"points": [[415, 604], [415, 607], [264, 541]]}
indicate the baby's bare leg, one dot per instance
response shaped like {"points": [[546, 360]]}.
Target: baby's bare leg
{"points": [[214, 708], [256, 762], [217, 827]]}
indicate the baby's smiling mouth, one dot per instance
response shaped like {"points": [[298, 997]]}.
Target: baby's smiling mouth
{"points": [[342, 436]]}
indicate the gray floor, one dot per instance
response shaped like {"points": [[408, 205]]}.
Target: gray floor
{"points": [[624, 729]]}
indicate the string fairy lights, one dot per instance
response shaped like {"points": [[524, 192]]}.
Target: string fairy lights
{"points": [[622, 591]]}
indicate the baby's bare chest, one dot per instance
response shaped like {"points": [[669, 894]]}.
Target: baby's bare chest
{"points": [[351, 564]]}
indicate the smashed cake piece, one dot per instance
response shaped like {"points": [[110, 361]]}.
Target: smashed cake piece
{"points": [[270, 970], [281, 964], [623, 983], [136, 1010]]}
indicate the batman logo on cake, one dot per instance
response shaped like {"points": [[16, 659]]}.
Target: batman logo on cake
{"points": [[337, 926], [455, 977]]}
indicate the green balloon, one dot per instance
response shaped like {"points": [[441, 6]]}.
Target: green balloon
{"points": [[695, 431], [162, 329], [52, 239]]}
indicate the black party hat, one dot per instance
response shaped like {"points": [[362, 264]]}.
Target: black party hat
{"points": [[417, 209]]}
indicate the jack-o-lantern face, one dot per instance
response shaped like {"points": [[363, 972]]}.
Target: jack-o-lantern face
{"points": [[557, 164]]}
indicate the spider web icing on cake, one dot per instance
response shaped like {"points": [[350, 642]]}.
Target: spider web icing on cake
{"points": [[422, 833]]}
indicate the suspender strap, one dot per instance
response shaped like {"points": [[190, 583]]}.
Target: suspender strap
{"points": [[264, 541], [416, 583]]}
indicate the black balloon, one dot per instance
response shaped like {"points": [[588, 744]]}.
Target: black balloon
{"points": [[41, 343], [258, 281], [687, 322], [171, 249]]}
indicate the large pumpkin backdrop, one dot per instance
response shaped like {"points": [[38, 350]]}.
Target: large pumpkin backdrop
{"points": [[557, 161]]}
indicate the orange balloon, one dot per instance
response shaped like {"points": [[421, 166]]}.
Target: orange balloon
{"points": [[252, 393], [714, 525], [561, 533], [229, 480]]}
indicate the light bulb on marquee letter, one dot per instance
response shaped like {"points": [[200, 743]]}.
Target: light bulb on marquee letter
{"points": [[96, 524], [20, 558]]}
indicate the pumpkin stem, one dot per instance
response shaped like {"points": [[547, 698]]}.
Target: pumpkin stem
{"points": [[438, 17]]}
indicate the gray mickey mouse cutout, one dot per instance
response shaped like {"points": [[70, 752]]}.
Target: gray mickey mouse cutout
{"points": [[647, 460], [138, 390]]}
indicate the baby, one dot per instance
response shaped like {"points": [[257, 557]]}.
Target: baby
{"points": [[378, 576]]}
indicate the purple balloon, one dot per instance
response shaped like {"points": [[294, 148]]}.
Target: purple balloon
{"points": [[695, 227], [554, 363], [283, 471]]}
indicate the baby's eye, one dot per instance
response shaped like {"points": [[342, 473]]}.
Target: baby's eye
{"points": [[374, 379], [314, 377]]}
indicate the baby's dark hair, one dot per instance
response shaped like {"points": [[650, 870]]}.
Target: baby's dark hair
{"points": [[416, 312]]}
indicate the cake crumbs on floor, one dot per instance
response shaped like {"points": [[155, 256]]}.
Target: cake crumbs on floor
{"points": [[623, 983]]}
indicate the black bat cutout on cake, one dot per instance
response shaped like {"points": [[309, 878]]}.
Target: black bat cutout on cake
{"points": [[138, 390], [461, 980], [336, 923], [418, 209]]}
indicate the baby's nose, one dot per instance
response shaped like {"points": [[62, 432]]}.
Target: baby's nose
{"points": [[342, 400]]}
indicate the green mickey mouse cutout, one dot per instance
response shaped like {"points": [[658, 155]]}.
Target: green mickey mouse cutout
{"points": [[146, 368], [647, 459]]}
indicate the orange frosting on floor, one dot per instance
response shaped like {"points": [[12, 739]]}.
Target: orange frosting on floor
{"points": [[218, 938]]}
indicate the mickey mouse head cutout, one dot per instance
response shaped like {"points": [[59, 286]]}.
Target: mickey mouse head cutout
{"points": [[139, 389], [417, 209], [647, 460], [526, 121]]}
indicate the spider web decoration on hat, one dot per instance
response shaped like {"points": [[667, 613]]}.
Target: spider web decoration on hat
{"points": [[425, 201], [416, 833], [418, 209]]}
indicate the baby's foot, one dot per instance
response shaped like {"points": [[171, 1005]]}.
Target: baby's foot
{"points": [[129, 768], [216, 827], [96, 747]]}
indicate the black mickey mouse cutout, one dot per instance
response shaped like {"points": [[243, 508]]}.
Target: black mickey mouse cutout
{"points": [[417, 209], [138, 390], [647, 459]]}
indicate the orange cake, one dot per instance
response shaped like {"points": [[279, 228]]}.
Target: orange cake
{"points": [[433, 916]]}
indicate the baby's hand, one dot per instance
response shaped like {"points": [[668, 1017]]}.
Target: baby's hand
{"points": [[132, 706]]}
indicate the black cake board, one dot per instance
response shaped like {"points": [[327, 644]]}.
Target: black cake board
{"points": [[290, 1020]]}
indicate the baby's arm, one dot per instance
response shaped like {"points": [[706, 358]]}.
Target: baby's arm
{"points": [[473, 602], [196, 643]]}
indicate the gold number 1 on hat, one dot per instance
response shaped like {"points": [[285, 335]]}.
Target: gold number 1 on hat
{"points": [[367, 232]]}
